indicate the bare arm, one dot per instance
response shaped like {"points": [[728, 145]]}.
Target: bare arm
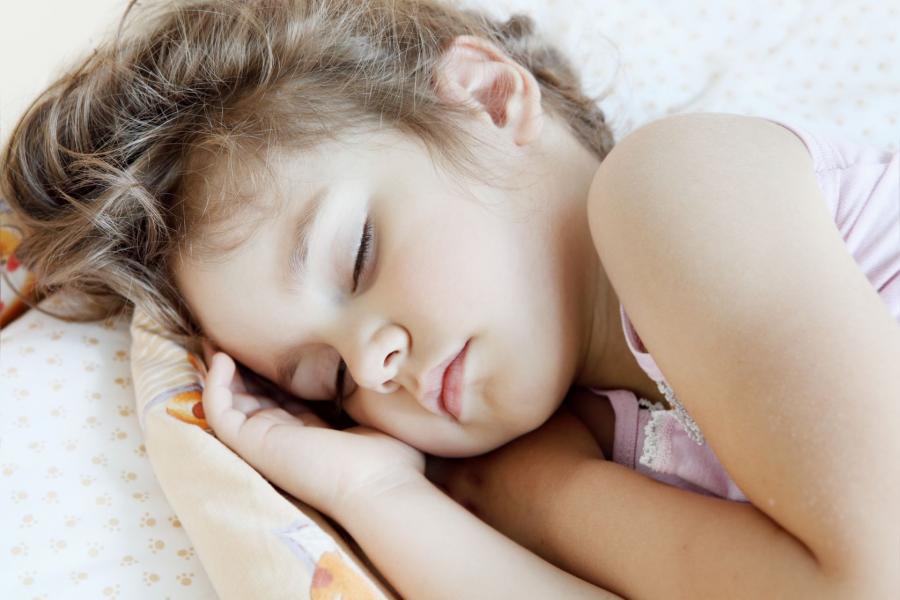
{"points": [[428, 546], [614, 527], [715, 234]]}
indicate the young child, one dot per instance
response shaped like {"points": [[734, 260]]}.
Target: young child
{"points": [[415, 211]]}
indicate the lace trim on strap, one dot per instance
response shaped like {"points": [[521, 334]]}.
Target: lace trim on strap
{"points": [[655, 451], [687, 422]]}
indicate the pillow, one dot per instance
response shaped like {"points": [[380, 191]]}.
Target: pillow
{"points": [[16, 281], [254, 540]]}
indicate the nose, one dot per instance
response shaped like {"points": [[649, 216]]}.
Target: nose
{"points": [[374, 361]]}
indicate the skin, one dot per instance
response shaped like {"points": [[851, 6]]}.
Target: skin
{"points": [[512, 269]]}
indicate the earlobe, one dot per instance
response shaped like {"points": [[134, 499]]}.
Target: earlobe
{"points": [[475, 72]]}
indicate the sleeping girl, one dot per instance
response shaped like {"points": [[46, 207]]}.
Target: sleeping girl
{"points": [[664, 367]]}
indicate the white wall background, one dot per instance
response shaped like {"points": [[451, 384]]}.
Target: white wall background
{"points": [[37, 37]]}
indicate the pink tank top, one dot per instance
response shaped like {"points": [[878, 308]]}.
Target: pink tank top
{"points": [[861, 187]]}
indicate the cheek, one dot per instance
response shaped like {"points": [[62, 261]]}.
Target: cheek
{"points": [[403, 419]]}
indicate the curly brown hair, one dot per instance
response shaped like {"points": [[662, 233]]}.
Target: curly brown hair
{"points": [[106, 170]]}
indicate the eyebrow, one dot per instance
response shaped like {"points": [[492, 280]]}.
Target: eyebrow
{"points": [[300, 232]]}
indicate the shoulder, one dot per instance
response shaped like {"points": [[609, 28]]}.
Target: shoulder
{"points": [[716, 237], [698, 147], [683, 200]]}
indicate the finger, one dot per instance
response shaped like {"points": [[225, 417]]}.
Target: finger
{"points": [[217, 400], [209, 350], [250, 403]]}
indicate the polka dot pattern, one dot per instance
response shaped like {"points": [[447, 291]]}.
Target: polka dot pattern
{"points": [[829, 66]]}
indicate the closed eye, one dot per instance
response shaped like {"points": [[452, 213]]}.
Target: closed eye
{"points": [[363, 252], [362, 255]]}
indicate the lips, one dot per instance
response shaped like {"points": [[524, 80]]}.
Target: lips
{"points": [[451, 391], [438, 380]]}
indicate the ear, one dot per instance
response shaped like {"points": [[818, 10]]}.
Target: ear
{"points": [[476, 72]]}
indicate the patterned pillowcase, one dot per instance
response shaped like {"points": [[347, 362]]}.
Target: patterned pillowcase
{"points": [[16, 281], [237, 521]]}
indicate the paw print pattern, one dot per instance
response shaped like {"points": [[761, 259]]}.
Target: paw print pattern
{"points": [[186, 553], [141, 496], [51, 497], [21, 394], [174, 521], [58, 411], [27, 577], [125, 410], [129, 476], [19, 550], [118, 435], [121, 356], [148, 521], [71, 520], [104, 500], [90, 366], [150, 578], [55, 360], [123, 382], [156, 545], [112, 524], [185, 578], [19, 496], [112, 591], [128, 561], [91, 422], [70, 445], [94, 549], [53, 472], [140, 451], [56, 384], [28, 521], [100, 460], [78, 577], [22, 422], [57, 545], [9, 469], [87, 480], [37, 446]]}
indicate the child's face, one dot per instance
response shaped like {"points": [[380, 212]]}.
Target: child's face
{"points": [[507, 271]]}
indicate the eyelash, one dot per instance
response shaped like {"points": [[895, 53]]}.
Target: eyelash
{"points": [[361, 258]]}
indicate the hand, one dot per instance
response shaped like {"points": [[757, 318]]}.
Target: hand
{"points": [[515, 487], [329, 469]]}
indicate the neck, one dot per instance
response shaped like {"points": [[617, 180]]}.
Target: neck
{"points": [[608, 363], [603, 359]]}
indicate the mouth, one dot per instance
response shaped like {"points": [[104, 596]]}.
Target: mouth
{"points": [[450, 398]]}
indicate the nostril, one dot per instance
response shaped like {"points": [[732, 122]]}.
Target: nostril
{"points": [[389, 357]]}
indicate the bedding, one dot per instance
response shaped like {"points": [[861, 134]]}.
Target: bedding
{"points": [[112, 487]]}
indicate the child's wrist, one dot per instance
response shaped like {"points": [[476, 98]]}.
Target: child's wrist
{"points": [[355, 500]]}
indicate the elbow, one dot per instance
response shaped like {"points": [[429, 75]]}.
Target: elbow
{"points": [[872, 574]]}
